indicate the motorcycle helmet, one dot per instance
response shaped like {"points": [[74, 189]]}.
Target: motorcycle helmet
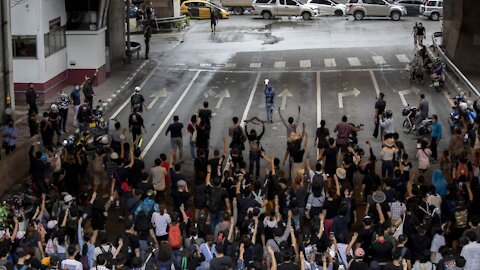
{"points": [[137, 89], [388, 114], [104, 140], [463, 106], [54, 108], [406, 111]]}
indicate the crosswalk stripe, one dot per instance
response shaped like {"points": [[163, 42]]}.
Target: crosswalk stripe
{"points": [[354, 62], [205, 65], [305, 64], [255, 65], [379, 60], [330, 62], [402, 58], [279, 64], [230, 65]]}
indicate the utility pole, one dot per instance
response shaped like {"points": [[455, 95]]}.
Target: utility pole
{"points": [[129, 55]]}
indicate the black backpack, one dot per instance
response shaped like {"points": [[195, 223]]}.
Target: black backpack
{"points": [[214, 199], [294, 147], [136, 99], [108, 256]]}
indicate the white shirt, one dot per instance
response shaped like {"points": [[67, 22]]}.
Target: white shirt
{"points": [[71, 265], [423, 156], [160, 222], [387, 125], [437, 242], [387, 153], [471, 253], [100, 267]]}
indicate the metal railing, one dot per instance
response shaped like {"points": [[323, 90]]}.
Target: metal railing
{"points": [[451, 66]]}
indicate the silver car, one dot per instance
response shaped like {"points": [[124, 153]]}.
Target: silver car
{"points": [[375, 8], [412, 6], [432, 9]]}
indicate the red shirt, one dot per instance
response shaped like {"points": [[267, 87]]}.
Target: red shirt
{"points": [[166, 165]]}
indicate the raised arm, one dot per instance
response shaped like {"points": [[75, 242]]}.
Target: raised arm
{"points": [[350, 245], [380, 213]]}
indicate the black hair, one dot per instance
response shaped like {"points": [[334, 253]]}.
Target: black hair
{"points": [[117, 125], [235, 120], [344, 118], [71, 250], [158, 162], [205, 104], [101, 259]]}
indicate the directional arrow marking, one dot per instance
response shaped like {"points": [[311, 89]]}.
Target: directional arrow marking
{"points": [[221, 96], [355, 92], [406, 92], [161, 94], [284, 95]]}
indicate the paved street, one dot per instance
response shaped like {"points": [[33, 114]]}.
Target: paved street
{"points": [[330, 66]]}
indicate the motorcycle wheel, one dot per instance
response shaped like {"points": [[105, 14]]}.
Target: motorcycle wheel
{"points": [[407, 127]]}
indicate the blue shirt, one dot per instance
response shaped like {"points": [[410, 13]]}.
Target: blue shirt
{"points": [[208, 252], [269, 95], [10, 135], [75, 96], [437, 130]]}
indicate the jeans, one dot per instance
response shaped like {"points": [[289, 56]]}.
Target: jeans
{"points": [[255, 161], [75, 120], [192, 148], [215, 218], [269, 113], [143, 245], [63, 123], [387, 168]]}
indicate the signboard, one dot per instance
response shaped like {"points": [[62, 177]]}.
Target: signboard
{"points": [[54, 24]]}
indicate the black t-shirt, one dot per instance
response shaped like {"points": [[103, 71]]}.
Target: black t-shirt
{"points": [[298, 156], [284, 198], [380, 106], [130, 243], [136, 172], [135, 120], [202, 138], [391, 266], [419, 244], [357, 264], [322, 135], [288, 266], [205, 115], [382, 251], [330, 160], [221, 262], [145, 186], [420, 30], [331, 207]]}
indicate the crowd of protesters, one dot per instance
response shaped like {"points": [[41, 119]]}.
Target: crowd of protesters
{"points": [[325, 207]]}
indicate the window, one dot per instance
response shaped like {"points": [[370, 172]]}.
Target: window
{"points": [[262, 1], [54, 41], [440, 4], [24, 46], [282, 2], [291, 3], [418, 2], [431, 3], [324, 2]]}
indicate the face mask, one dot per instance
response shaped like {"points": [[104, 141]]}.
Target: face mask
{"points": [[77, 87]]}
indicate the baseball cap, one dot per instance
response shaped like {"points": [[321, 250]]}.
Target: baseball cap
{"points": [[137, 88], [68, 198], [359, 252], [181, 183]]}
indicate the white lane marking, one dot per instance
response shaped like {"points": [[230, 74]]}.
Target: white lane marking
{"points": [[379, 60], [205, 65], [284, 95], [330, 62], [355, 92], [319, 99], [272, 70], [402, 58], [160, 94], [305, 64], [230, 65], [354, 62], [127, 101], [221, 96], [167, 118], [250, 99], [255, 65], [406, 92], [279, 64], [375, 83]]}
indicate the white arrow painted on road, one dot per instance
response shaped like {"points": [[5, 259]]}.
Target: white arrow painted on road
{"points": [[355, 92], [406, 92], [222, 95], [284, 95], [161, 94]]}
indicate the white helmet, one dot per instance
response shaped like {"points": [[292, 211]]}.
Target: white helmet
{"points": [[54, 107], [463, 106], [137, 88], [104, 140]]}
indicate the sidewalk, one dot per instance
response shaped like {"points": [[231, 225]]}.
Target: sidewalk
{"points": [[121, 77]]}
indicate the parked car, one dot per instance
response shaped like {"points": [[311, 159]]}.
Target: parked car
{"points": [[432, 9], [375, 8], [237, 6], [329, 7], [274, 8], [412, 6], [200, 9]]}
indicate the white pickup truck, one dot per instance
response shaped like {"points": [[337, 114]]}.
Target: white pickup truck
{"points": [[237, 6], [274, 8]]}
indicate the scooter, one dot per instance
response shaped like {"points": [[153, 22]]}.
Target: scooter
{"points": [[424, 128]]}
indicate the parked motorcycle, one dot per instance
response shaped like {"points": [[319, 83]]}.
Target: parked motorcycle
{"points": [[424, 128], [461, 110]]}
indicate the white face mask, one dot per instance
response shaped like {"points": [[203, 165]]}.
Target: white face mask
{"points": [[77, 87]]}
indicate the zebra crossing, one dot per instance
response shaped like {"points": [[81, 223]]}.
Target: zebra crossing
{"points": [[330, 63]]}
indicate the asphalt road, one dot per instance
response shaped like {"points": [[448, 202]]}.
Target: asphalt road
{"points": [[329, 66]]}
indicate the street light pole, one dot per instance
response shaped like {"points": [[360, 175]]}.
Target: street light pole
{"points": [[129, 55]]}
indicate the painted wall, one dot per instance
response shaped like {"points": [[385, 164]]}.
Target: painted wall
{"points": [[78, 56]]}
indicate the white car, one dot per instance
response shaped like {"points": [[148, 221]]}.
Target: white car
{"points": [[329, 7]]}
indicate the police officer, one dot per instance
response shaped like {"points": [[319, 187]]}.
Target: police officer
{"points": [[135, 123], [137, 100]]}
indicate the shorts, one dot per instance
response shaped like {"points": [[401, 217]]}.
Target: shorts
{"points": [[177, 143]]}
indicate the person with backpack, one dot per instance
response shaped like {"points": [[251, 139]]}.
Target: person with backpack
{"points": [[137, 100], [218, 201], [87, 245], [106, 248], [102, 263], [176, 231], [70, 263], [255, 146]]}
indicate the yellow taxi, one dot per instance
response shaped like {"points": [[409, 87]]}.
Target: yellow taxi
{"points": [[200, 9]]}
